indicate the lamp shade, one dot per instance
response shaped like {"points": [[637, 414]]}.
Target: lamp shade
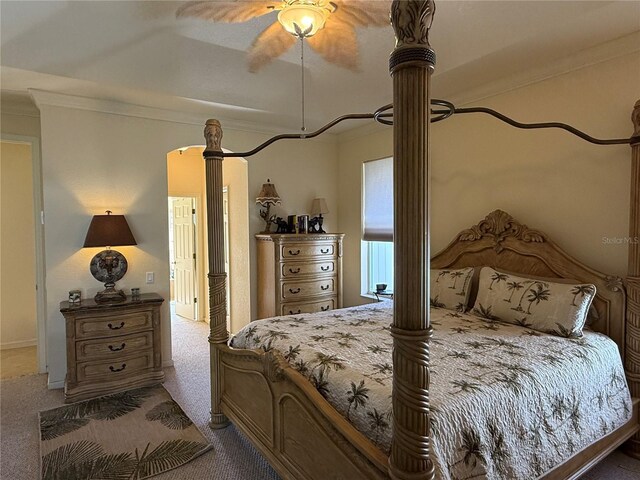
{"points": [[109, 231], [319, 206], [268, 194]]}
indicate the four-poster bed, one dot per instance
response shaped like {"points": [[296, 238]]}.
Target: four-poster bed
{"points": [[301, 434]]}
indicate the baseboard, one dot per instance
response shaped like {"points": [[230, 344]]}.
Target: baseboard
{"points": [[22, 344], [167, 363], [53, 385]]}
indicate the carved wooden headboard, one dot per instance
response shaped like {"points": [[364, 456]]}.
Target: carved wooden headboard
{"points": [[499, 241]]}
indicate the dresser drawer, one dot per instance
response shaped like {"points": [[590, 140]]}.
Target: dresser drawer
{"points": [[293, 290], [113, 347], [109, 325], [309, 307], [107, 370], [302, 250], [295, 269]]}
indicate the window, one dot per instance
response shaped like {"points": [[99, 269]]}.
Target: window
{"points": [[377, 220]]}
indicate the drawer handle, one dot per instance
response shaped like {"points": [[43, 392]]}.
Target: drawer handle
{"points": [[324, 309], [291, 312], [325, 269], [324, 287], [116, 328], [297, 270], [116, 349], [124, 365], [323, 250], [291, 290], [297, 252]]}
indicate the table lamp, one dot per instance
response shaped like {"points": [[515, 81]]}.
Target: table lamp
{"points": [[318, 207], [109, 266], [268, 196]]}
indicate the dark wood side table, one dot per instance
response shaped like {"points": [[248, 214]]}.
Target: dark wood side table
{"points": [[112, 347]]}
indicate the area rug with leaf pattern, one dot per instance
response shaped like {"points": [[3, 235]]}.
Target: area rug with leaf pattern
{"points": [[125, 436]]}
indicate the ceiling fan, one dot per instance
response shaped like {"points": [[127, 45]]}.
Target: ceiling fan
{"points": [[327, 26]]}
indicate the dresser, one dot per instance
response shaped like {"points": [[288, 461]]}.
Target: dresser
{"points": [[112, 348], [299, 273]]}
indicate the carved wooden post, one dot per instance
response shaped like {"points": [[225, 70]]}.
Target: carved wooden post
{"points": [[411, 65], [217, 277], [632, 341]]}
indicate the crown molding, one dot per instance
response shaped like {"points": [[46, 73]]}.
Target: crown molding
{"points": [[605, 52], [21, 107], [54, 99]]}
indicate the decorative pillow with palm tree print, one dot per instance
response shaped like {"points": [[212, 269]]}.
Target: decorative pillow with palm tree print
{"points": [[450, 288], [555, 308]]}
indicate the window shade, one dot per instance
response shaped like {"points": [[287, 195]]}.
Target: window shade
{"points": [[378, 201]]}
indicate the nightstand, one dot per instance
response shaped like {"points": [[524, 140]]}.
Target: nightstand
{"points": [[112, 347]]}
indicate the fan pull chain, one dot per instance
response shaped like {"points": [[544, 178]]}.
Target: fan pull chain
{"points": [[303, 128]]}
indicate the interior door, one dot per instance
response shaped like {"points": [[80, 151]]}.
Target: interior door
{"points": [[184, 245]]}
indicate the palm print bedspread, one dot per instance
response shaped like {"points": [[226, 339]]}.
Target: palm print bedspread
{"points": [[507, 402]]}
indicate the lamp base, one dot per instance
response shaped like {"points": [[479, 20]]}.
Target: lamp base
{"points": [[110, 295]]}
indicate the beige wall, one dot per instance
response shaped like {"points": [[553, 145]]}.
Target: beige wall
{"points": [[19, 124], [236, 179], [94, 160], [17, 247], [576, 192]]}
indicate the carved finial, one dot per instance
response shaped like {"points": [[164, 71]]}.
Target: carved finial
{"points": [[499, 225], [411, 20], [635, 118], [213, 135]]}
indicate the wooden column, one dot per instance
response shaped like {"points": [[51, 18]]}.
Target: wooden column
{"points": [[411, 65], [632, 340], [217, 276]]}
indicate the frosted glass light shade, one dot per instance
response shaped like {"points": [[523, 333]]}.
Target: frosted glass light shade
{"points": [[307, 17]]}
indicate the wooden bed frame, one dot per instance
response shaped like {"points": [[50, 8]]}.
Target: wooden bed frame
{"points": [[301, 435]]}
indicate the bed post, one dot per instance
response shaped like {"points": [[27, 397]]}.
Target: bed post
{"points": [[217, 277], [632, 340], [411, 65]]}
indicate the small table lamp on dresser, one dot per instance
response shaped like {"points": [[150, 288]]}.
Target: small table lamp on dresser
{"points": [[112, 347], [109, 266]]}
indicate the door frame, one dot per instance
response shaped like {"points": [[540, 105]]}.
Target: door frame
{"points": [[38, 217]]}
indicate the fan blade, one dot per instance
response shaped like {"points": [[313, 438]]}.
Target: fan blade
{"points": [[227, 11], [337, 44], [362, 13], [271, 43]]}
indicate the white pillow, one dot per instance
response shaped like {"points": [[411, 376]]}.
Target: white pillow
{"points": [[450, 288], [556, 308]]}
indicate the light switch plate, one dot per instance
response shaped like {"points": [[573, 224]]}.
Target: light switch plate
{"points": [[150, 277]]}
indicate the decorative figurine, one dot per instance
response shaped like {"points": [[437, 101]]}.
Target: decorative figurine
{"points": [[283, 226]]}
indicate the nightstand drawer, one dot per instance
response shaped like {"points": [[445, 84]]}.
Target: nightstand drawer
{"points": [[302, 250], [112, 369], [309, 307], [114, 347], [295, 269], [109, 325], [293, 290]]}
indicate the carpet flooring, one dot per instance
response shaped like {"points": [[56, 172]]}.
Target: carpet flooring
{"points": [[232, 457]]}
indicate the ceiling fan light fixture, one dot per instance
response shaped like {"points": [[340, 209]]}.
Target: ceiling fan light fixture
{"points": [[303, 18]]}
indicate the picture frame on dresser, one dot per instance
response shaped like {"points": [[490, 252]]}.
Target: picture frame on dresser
{"points": [[298, 273], [112, 347]]}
